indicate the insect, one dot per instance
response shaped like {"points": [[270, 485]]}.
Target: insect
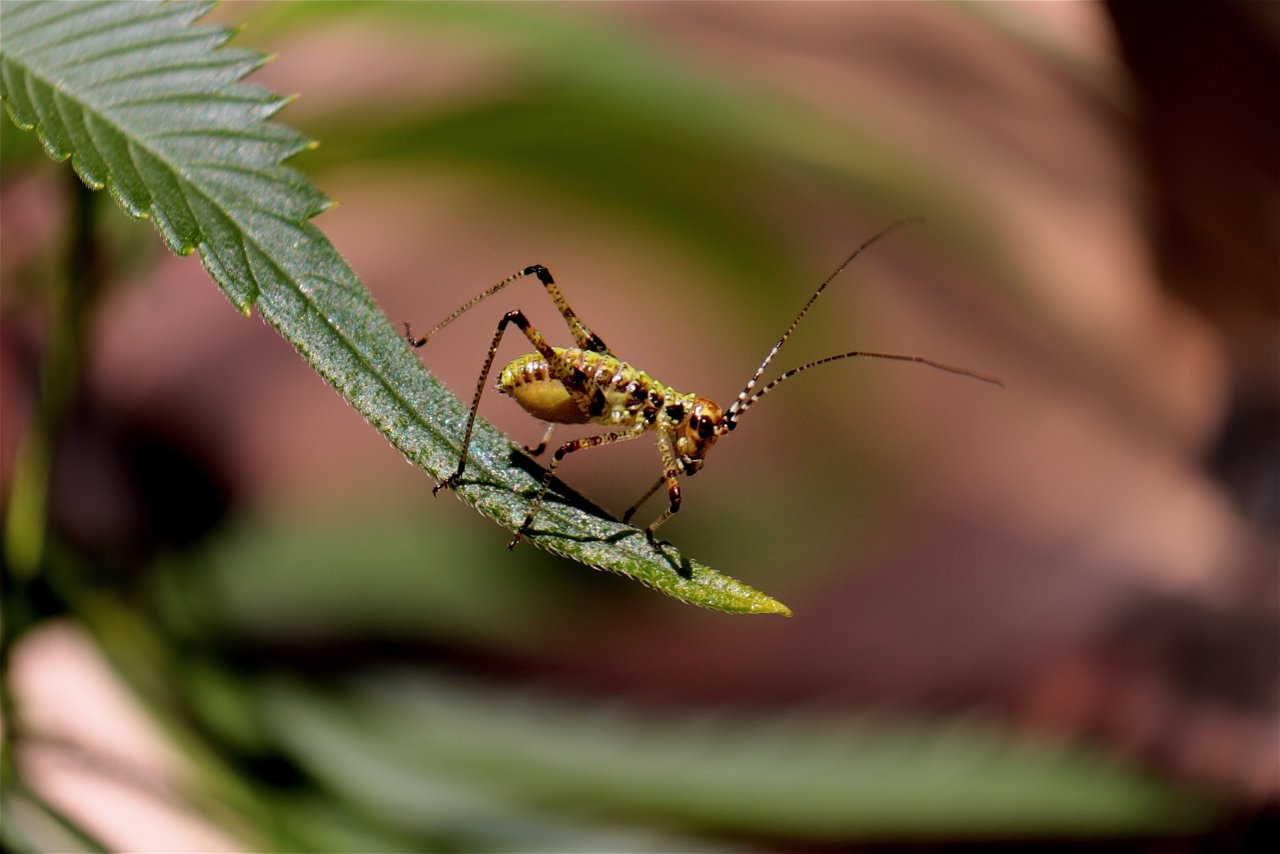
{"points": [[589, 384]]}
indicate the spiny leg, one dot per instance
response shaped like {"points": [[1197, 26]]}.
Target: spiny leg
{"points": [[670, 471], [673, 494], [517, 317], [585, 338], [631, 511], [536, 450], [471, 303], [561, 452]]}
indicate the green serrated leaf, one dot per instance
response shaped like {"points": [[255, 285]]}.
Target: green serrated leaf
{"points": [[150, 105]]}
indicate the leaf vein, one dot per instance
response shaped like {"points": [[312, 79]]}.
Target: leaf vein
{"points": [[122, 50], [174, 10]]}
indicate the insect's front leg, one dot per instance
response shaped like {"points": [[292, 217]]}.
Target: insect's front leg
{"points": [[517, 317], [561, 452], [670, 476], [631, 511]]}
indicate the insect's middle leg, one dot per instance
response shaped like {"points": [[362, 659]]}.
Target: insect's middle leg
{"points": [[536, 450], [535, 338], [561, 452]]}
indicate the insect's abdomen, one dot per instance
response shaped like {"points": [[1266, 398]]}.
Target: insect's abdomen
{"points": [[600, 388], [529, 382]]}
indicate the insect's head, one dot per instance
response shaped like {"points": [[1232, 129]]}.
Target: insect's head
{"points": [[697, 431]]}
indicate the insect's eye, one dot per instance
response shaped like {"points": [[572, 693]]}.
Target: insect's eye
{"points": [[705, 427]]}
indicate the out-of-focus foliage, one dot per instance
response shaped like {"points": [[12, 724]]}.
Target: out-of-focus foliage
{"points": [[472, 763]]}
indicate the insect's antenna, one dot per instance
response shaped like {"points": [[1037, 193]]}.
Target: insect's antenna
{"points": [[772, 384], [745, 397], [471, 303]]}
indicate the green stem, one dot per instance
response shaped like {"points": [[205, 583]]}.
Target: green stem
{"points": [[26, 525]]}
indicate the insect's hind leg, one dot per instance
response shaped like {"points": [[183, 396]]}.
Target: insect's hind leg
{"points": [[535, 337], [471, 303], [585, 338], [582, 335], [561, 452]]}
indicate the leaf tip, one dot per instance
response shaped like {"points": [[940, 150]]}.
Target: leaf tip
{"points": [[772, 606], [91, 181], [16, 118]]}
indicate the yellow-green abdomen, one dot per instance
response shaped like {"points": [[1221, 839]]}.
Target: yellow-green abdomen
{"points": [[587, 387], [529, 382]]}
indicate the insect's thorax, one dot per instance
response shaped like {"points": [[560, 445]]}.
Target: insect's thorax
{"points": [[588, 387]]}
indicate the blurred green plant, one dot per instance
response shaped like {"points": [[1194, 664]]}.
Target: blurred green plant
{"points": [[485, 763], [390, 739]]}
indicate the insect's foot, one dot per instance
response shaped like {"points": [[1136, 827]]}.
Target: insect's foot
{"points": [[408, 336], [448, 483], [524, 528], [653, 541]]}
